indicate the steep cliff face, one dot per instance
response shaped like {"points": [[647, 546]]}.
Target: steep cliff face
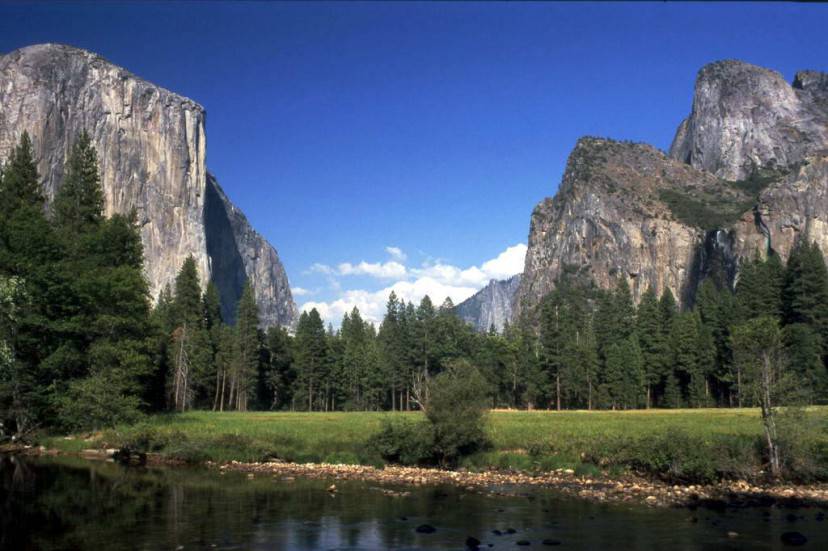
{"points": [[151, 147], [745, 117], [238, 252], [490, 306], [791, 209], [747, 174], [610, 219]]}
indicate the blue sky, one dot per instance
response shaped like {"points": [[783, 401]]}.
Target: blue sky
{"points": [[345, 130]]}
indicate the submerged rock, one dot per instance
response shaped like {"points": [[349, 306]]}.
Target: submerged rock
{"points": [[425, 529], [793, 539]]}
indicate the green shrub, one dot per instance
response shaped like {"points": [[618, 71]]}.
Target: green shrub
{"points": [[804, 455], [404, 442], [456, 410], [588, 469], [97, 402], [146, 438], [186, 451]]}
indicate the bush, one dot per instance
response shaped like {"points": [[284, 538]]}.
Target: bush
{"points": [[456, 410], [404, 442], [187, 452], [455, 426], [144, 438], [678, 456], [97, 402], [803, 454]]}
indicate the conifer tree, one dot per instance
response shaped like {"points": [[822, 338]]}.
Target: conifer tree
{"points": [[805, 293], [79, 203], [242, 385], [653, 343], [310, 355]]}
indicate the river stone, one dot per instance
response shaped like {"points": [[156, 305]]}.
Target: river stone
{"points": [[425, 529], [793, 539], [472, 542]]}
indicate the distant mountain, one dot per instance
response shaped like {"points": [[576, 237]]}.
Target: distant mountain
{"points": [[747, 174], [151, 146], [492, 305]]}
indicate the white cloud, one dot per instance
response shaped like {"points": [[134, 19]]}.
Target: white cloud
{"points": [[438, 280], [320, 269], [382, 270], [396, 253], [300, 292]]}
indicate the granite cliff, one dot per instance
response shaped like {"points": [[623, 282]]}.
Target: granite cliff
{"points": [[491, 306], [747, 174], [151, 147]]}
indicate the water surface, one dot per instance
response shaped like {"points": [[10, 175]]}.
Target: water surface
{"points": [[66, 503]]}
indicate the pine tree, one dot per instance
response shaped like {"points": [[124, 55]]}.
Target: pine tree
{"points": [[805, 293], [803, 351], [653, 343], [79, 203], [684, 339], [242, 384], [187, 334], [310, 355], [20, 183]]}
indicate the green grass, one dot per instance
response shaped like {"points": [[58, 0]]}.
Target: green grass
{"points": [[537, 440]]}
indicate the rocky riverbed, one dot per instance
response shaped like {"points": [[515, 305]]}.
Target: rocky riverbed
{"points": [[627, 488], [618, 489]]}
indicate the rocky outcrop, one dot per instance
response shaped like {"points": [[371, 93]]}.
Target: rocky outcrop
{"points": [[745, 117], [151, 147], [789, 210], [747, 174], [609, 220], [491, 306]]}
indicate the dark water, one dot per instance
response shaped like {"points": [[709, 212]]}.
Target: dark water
{"points": [[72, 504]]}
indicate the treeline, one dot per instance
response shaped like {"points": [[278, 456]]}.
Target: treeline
{"points": [[597, 349], [81, 344]]}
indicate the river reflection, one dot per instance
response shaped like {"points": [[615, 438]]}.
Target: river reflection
{"points": [[74, 504]]}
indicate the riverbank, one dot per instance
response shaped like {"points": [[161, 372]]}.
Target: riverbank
{"points": [[396, 481], [661, 457]]}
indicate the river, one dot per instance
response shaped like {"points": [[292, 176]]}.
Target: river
{"points": [[68, 503]]}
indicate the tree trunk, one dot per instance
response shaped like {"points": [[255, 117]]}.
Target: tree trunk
{"points": [[558, 391]]}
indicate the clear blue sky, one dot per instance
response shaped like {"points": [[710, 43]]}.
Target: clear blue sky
{"points": [[344, 128]]}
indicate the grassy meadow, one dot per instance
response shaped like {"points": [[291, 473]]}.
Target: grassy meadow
{"points": [[524, 440]]}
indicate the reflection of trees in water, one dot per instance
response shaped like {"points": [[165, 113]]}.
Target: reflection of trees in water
{"points": [[73, 504]]}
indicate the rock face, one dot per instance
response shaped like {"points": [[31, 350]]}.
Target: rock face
{"points": [[151, 148], [747, 174], [238, 252], [745, 117], [491, 306], [608, 221]]}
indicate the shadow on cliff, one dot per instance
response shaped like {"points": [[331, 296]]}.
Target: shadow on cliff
{"points": [[227, 266]]}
